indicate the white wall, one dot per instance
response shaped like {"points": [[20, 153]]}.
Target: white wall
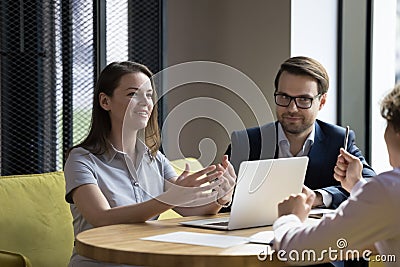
{"points": [[314, 34], [383, 76]]}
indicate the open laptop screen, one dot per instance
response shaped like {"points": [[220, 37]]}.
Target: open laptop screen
{"points": [[261, 185]]}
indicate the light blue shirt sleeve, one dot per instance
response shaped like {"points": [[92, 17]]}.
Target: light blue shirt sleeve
{"points": [[78, 171], [168, 171]]}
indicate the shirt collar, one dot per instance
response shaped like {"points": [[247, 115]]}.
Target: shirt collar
{"points": [[141, 149], [311, 136], [284, 145], [282, 135]]}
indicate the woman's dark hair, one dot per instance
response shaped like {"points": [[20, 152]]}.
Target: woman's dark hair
{"points": [[97, 139], [305, 66], [390, 108]]}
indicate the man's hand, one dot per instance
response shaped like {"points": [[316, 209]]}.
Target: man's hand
{"points": [[318, 201], [299, 205], [348, 170]]}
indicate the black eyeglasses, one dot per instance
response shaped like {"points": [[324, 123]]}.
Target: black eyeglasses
{"points": [[302, 102]]}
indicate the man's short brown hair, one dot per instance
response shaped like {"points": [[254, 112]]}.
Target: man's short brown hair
{"points": [[305, 66], [390, 108]]}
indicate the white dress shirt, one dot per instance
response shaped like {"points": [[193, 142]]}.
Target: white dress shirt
{"points": [[369, 216], [284, 152]]}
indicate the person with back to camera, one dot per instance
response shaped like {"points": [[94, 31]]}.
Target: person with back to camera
{"points": [[117, 175], [369, 216]]}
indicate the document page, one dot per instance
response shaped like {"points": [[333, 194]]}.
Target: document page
{"points": [[263, 237], [201, 239]]}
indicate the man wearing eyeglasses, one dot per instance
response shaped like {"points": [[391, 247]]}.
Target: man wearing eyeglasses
{"points": [[301, 87]]}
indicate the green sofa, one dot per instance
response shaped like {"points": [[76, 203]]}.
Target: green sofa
{"points": [[35, 221]]}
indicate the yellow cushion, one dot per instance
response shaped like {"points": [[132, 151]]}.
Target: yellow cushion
{"points": [[169, 214], [374, 263], [35, 220], [179, 166], [11, 259]]}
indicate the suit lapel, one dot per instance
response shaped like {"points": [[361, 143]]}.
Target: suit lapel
{"points": [[317, 158], [269, 141], [317, 149]]}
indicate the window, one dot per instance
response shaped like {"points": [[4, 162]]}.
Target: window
{"points": [[49, 60], [383, 74]]}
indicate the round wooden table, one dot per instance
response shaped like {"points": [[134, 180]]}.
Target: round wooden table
{"points": [[122, 244]]}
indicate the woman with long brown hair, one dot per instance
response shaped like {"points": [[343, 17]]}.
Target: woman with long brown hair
{"points": [[118, 175]]}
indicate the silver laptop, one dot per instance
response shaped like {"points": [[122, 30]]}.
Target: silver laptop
{"points": [[261, 185]]}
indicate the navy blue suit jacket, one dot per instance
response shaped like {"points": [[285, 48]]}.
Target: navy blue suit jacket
{"points": [[261, 143]]}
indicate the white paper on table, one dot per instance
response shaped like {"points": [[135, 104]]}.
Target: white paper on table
{"points": [[263, 237], [201, 239]]}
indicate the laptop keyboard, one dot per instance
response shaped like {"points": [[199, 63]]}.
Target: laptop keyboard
{"points": [[224, 223]]}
